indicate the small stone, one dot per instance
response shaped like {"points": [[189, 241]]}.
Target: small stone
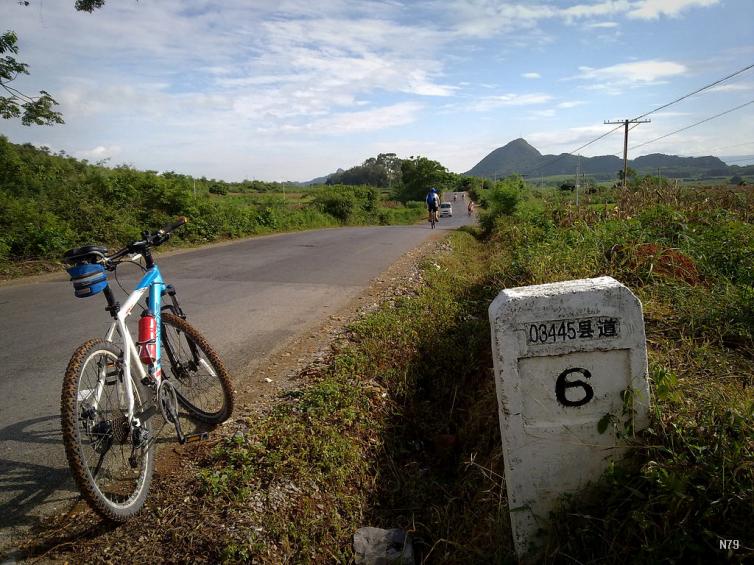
{"points": [[267, 380], [375, 546]]}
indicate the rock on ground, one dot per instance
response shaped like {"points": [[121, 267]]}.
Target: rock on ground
{"points": [[375, 546]]}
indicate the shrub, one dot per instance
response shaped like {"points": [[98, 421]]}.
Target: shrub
{"points": [[501, 200]]}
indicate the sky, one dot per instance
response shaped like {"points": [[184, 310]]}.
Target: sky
{"points": [[295, 89]]}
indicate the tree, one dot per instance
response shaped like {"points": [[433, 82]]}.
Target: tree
{"points": [[33, 110], [419, 174], [736, 179], [88, 5], [381, 171], [630, 173]]}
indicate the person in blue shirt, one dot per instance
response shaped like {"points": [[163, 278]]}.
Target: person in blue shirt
{"points": [[433, 204]]}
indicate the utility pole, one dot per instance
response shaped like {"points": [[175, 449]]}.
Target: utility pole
{"points": [[625, 143], [578, 174]]}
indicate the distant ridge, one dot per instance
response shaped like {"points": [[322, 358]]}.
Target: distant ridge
{"points": [[318, 180], [519, 157]]}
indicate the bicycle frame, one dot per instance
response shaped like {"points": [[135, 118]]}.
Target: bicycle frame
{"points": [[151, 282]]}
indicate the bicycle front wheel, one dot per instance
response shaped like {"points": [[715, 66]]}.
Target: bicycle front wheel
{"points": [[112, 475], [199, 377]]}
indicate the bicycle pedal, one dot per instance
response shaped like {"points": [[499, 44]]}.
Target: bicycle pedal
{"points": [[193, 438]]}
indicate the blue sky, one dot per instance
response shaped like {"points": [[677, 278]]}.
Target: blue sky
{"points": [[293, 89]]}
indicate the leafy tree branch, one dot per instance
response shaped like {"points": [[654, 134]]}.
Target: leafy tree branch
{"points": [[33, 110]]}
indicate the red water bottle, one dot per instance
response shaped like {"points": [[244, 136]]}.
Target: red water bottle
{"points": [[147, 338]]}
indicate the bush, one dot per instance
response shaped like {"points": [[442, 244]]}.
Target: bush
{"points": [[501, 200], [347, 203]]}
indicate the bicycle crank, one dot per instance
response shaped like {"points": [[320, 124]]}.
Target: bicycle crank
{"points": [[168, 402]]}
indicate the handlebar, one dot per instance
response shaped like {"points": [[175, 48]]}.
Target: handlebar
{"points": [[174, 226], [150, 240]]}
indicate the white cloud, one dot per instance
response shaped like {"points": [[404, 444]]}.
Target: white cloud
{"points": [[487, 18], [363, 121], [603, 25], [740, 87], [637, 71], [600, 9], [487, 103], [542, 113], [653, 9], [570, 104], [98, 153], [614, 79], [531, 75]]}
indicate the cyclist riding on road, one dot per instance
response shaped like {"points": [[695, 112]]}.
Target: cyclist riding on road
{"points": [[433, 204]]}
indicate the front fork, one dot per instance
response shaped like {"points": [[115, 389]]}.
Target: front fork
{"points": [[166, 396], [175, 307]]}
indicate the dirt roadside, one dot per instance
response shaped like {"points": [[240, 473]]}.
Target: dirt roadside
{"points": [[259, 387]]}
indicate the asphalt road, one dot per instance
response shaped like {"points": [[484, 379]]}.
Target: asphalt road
{"points": [[247, 297]]}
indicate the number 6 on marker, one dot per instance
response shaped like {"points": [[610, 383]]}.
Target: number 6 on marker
{"points": [[562, 384]]}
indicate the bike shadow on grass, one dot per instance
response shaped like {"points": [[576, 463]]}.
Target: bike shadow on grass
{"points": [[38, 496]]}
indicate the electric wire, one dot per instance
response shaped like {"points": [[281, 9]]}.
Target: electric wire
{"points": [[697, 91], [564, 155], [692, 125], [710, 85]]}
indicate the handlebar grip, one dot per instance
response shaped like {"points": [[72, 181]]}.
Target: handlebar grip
{"points": [[175, 225]]}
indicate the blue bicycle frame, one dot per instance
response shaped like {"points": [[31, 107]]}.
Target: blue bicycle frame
{"points": [[151, 282]]}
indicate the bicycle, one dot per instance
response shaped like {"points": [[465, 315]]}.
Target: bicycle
{"points": [[432, 217], [108, 415]]}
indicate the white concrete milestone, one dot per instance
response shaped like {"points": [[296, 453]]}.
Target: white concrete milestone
{"points": [[564, 356]]}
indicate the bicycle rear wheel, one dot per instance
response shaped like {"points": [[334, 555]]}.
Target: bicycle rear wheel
{"points": [[112, 475], [201, 382]]}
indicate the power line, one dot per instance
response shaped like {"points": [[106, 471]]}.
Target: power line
{"points": [[710, 85], [564, 155], [734, 145], [693, 125], [595, 140]]}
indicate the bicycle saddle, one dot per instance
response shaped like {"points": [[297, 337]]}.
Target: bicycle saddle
{"points": [[84, 254]]}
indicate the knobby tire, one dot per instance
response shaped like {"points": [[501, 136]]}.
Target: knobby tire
{"points": [[105, 496], [208, 398]]}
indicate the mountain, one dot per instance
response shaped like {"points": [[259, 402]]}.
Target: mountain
{"points": [[517, 155], [319, 180], [520, 157]]}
